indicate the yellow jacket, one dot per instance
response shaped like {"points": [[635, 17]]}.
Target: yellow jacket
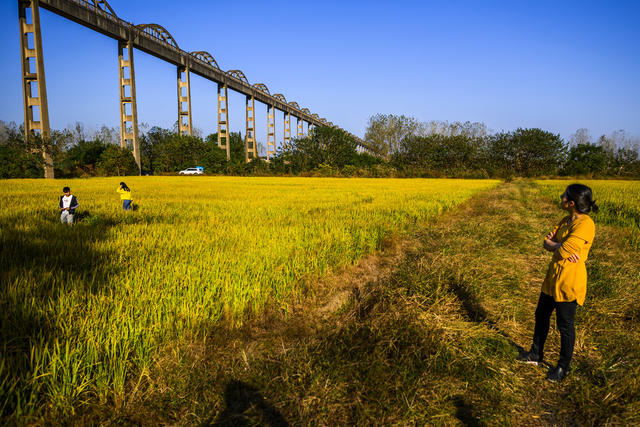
{"points": [[567, 281], [124, 195]]}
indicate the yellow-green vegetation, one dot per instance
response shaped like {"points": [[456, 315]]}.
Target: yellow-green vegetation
{"points": [[86, 309], [618, 201], [431, 341]]}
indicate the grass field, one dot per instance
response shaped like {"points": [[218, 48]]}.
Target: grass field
{"points": [[87, 310]]}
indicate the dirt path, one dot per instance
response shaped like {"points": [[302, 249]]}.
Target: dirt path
{"points": [[426, 333]]}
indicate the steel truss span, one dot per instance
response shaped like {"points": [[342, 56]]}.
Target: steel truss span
{"points": [[155, 40]]}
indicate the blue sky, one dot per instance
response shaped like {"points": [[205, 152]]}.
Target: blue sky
{"points": [[559, 66]]}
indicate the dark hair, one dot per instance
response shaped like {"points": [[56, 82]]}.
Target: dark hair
{"points": [[124, 186], [66, 189], [582, 196]]}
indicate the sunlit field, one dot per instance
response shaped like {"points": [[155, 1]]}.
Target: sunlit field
{"points": [[618, 201], [85, 309]]}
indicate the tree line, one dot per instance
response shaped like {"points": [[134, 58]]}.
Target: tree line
{"points": [[457, 149], [79, 153], [403, 147]]}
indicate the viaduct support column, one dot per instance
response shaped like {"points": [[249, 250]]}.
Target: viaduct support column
{"points": [[286, 139], [128, 106], [271, 131], [184, 102], [36, 110], [223, 124], [299, 133], [250, 149]]}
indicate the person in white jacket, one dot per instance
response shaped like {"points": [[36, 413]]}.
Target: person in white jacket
{"points": [[68, 205]]}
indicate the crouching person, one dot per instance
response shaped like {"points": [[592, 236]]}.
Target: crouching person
{"points": [[125, 196], [68, 205]]}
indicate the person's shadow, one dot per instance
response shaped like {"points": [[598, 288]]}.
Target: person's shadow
{"points": [[475, 312], [241, 398]]}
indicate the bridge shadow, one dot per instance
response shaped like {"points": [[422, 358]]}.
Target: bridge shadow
{"points": [[246, 406], [42, 262]]}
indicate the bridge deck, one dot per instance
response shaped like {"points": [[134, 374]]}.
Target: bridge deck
{"points": [[85, 13]]}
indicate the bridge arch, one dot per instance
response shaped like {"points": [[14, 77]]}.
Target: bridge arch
{"points": [[280, 97], [158, 32], [238, 75], [294, 105], [206, 57], [306, 110], [262, 88], [102, 6]]}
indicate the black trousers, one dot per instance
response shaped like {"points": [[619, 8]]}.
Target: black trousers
{"points": [[565, 315]]}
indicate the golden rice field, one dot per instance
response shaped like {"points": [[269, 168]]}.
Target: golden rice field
{"points": [[618, 201], [86, 309]]}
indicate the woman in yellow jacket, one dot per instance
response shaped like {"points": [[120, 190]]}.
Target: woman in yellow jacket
{"points": [[125, 196], [565, 286]]}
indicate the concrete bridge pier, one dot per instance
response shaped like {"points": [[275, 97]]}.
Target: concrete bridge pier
{"points": [[34, 89], [250, 149], [184, 102], [128, 106], [271, 131], [286, 137], [299, 133], [223, 117]]}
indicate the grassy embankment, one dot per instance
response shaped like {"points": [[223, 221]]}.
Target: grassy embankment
{"points": [[428, 335]]}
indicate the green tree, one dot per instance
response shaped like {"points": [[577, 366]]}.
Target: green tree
{"points": [[526, 152], [437, 154], [19, 158], [176, 152], [83, 157], [627, 162], [151, 146], [325, 146], [16, 162], [366, 160], [585, 159], [117, 161]]}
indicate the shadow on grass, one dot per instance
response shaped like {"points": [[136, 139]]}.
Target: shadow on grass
{"points": [[246, 406], [470, 303], [41, 262], [464, 412], [476, 313]]}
